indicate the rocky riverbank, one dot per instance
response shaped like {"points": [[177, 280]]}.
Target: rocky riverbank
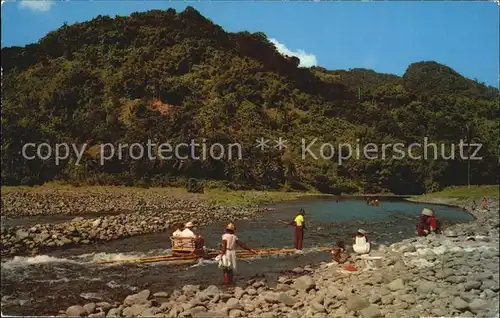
{"points": [[451, 274], [89, 201], [135, 213]]}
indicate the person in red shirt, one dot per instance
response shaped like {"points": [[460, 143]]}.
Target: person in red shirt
{"points": [[433, 223], [424, 224], [428, 223]]}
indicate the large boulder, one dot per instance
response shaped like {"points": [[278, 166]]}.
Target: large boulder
{"points": [[137, 299], [397, 284], [356, 303], [76, 311], [304, 283]]}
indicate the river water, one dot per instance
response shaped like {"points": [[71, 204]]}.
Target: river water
{"points": [[44, 284]]}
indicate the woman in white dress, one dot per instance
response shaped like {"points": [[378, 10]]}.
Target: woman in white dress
{"points": [[361, 243], [227, 256]]}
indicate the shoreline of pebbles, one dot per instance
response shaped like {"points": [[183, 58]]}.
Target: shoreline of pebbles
{"points": [[122, 215], [455, 273]]}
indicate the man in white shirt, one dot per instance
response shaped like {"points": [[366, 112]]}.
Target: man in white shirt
{"points": [[187, 230], [189, 233], [178, 231]]}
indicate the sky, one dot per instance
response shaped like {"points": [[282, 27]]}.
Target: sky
{"points": [[384, 36]]}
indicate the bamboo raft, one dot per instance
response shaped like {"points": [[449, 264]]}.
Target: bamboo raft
{"points": [[210, 254]]}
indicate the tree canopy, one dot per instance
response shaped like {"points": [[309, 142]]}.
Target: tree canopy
{"points": [[172, 76]]}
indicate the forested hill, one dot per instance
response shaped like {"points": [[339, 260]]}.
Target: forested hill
{"points": [[170, 77]]}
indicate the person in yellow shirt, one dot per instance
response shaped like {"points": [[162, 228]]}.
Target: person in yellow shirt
{"points": [[299, 224]]}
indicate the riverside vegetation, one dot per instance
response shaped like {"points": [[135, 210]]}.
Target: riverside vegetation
{"points": [[173, 76]]}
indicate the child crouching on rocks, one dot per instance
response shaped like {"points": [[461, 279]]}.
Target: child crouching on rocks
{"points": [[339, 253], [428, 223], [341, 256]]}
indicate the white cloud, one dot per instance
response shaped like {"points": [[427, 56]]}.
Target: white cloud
{"points": [[306, 59], [36, 5]]}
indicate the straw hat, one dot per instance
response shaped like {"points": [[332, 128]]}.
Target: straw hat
{"points": [[189, 224], [361, 231], [230, 226], [427, 212]]}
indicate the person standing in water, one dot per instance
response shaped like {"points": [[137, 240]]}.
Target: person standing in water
{"points": [[227, 256], [299, 224]]}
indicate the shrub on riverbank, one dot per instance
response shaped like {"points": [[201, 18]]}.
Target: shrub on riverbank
{"points": [[193, 186], [474, 192]]}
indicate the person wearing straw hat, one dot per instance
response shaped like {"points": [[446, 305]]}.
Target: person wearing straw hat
{"points": [[361, 243], [227, 256], [423, 224], [432, 221], [188, 233], [428, 223]]}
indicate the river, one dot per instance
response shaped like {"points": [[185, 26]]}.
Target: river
{"points": [[44, 284]]}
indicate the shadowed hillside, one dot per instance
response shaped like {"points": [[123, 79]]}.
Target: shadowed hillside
{"points": [[170, 77]]}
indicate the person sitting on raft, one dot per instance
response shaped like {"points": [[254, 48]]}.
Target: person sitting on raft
{"points": [[227, 256], [178, 231], [188, 233], [339, 253], [361, 243]]}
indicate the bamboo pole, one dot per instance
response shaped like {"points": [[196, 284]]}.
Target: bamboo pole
{"points": [[194, 258]]}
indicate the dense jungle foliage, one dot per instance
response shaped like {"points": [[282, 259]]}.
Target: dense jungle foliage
{"points": [[172, 76]]}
